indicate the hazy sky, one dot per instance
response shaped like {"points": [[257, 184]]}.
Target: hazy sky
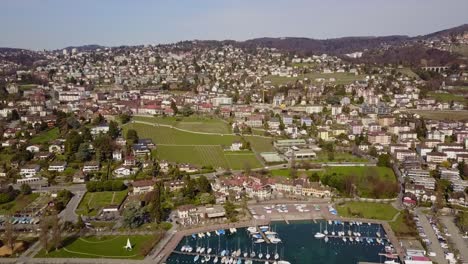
{"points": [[51, 24]]}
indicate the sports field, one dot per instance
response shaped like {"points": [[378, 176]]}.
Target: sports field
{"points": [[192, 123], [200, 149], [95, 201], [100, 247]]}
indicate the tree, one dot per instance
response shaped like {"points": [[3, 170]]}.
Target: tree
{"points": [[231, 212], [174, 107], [105, 145], [132, 136], [80, 223], [203, 185], [44, 234], [56, 236], [25, 189], [384, 160], [113, 129], [134, 216], [83, 153], [124, 118], [72, 142], [186, 110], [9, 236]]}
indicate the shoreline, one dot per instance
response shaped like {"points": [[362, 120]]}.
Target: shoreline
{"points": [[175, 240]]}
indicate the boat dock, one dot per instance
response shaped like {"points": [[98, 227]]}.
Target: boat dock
{"points": [[167, 249], [263, 235], [212, 256]]}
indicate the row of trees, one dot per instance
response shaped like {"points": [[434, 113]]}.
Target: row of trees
{"points": [[110, 185]]}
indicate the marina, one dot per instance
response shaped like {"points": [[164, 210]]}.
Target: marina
{"points": [[319, 241]]}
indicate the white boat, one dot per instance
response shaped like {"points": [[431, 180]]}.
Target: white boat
{"points": [[251, 229], [259, 241], [319, 235], [252, 254], [260, 255], [202, 250], [215, 260], [198, 249], [329, 222], [350, 239], [270, 233], [284, 262], [326, 239], [275, 240], [390, 262], [344, 239], [208, 251], [196, 258], [333, 233]]}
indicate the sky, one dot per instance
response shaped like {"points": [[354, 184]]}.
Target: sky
{"points": [[55, 24]]}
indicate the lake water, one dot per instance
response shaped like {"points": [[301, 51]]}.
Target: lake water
{"points": [[298, 244]]}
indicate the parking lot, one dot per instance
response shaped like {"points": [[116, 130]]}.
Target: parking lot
{"points": [[298, 211]]}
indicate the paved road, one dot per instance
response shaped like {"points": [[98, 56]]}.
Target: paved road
{"points": [[435, 244], [460, 243], [68, 214]]}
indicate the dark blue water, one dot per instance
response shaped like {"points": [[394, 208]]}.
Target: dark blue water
{"points": [[298, 244]]}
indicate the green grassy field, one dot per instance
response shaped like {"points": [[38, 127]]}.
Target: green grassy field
{"points": [[192, 123], [287, 173], [100, 247], [165, 135], [381, 172], [441, 115], [240, 161], [340, 78], [367, 210], [198, 155], [97, 200], [401, 228], [447, 97], [199, 149], [46, 136], [19, 203], [338, 157]]}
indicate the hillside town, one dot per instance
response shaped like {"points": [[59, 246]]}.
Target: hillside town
{"points": [[180, 136]]}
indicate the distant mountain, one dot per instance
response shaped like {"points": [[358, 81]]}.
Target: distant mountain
{"points": [[337, 46], [446, 32]]}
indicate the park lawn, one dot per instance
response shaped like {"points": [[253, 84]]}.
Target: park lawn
{"points": [[340, 78], [97, 200], [46, 136], [287, 173], [100, 247], [322, 156], [166, 135], [196, 155], [441, 115], [447, 97], [238, 161], [191, 123], [379, 211], [401, 228], [19, 203], [362, 171]]}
